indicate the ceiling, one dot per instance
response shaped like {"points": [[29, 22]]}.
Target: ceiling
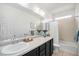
{"points": [[51, 8]]}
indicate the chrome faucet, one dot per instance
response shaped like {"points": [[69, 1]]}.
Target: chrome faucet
{"points": [[25, 34], [14, 37], [13, 42]]}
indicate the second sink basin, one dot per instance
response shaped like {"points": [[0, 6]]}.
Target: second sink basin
{"points": [[14, 48]]}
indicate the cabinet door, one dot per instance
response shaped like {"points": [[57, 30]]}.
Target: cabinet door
{"points": [[48, 48], [31, 53], [42, 51], [51, 47], [42, 47]]}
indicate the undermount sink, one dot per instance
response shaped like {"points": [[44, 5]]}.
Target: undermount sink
{"points": [[14, 48]]}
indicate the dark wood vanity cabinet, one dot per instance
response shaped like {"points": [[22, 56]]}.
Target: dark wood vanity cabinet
{"points": [[45, 49]]}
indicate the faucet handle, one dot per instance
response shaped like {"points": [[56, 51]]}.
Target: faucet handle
{"points": [[25, 34], [14, 35]]}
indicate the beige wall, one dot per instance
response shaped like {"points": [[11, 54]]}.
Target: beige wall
{"points": [[67, 29]]}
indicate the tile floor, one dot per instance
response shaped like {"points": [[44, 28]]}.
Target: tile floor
{"points": [[66, 50], [63, 53]]}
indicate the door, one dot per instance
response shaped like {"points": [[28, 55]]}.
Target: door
{"points": [[67, 29], [54, 32]]}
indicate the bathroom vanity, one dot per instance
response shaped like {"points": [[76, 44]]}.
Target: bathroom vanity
{"points": [[46, 49]]}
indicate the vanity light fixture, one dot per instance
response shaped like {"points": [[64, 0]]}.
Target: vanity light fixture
{"points": [[24, 4], [63, 17], [47, 20], [38, 11]]}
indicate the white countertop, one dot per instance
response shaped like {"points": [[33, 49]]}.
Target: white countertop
{"points": [[32, 45]]}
